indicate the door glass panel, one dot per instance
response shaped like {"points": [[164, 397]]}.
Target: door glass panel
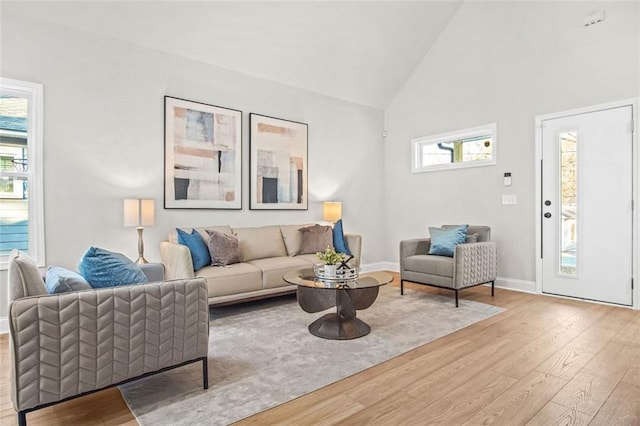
{"points": [[568, 202]]}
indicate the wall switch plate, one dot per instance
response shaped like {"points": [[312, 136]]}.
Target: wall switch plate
{"points": [[509, 200]]}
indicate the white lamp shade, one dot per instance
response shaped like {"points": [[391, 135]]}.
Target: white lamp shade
{"points": [[147, 212], [131, 212], [139, 212], [332, 211]]}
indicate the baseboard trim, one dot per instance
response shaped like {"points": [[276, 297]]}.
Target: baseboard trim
{"points": [[4, 325], [380, 266], [516, 285]]}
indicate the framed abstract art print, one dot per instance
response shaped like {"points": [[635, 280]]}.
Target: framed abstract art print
{"points": [[278, 164], [203, 156]]}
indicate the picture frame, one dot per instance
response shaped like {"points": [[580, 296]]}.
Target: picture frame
{"points": [[203, 156], [278, 164]]}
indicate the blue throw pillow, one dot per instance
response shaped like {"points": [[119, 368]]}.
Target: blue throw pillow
{"points": [[199, 250], [339, 242], [103, 268], [61, 280], [444, 241]]}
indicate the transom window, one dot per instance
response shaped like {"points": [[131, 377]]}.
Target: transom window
{"points": [[21, 202], [463, 148]]}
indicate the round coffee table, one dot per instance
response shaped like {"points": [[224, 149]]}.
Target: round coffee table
{"points": [[316, 295]]}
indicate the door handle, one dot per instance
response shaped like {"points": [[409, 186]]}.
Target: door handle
{"points": [[547, 215]]}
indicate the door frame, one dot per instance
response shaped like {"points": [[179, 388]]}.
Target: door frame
{"points": [[635, 182]]}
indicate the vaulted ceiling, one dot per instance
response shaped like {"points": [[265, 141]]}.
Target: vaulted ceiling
{"points": [[357, 51]]}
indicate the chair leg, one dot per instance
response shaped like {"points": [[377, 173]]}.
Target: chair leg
{"points": [[205, 373], [456, 297], [22, 418], [401, 287], [492, 286]]}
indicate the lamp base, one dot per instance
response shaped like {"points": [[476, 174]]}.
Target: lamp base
{"points": [[141, 260]]}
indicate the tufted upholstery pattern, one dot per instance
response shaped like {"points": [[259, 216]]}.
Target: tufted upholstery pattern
{"points": [[475, 263], [67, 344]]}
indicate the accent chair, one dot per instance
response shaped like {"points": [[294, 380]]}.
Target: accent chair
{"points": [[472, 264], [63, 346]]}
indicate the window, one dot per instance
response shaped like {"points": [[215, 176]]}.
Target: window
{"points": [[464, 148], [21, 180]]}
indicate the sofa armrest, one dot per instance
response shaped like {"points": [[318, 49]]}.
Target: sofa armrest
{"points": [[153, 271], [354, 242], [62, 345], [413, 247], [475, 263], [177, 260]]}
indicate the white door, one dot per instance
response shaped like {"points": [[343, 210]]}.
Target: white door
{"points": [[587, 203]]}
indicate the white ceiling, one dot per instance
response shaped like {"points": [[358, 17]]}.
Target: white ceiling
{"points": [[356, 51]]}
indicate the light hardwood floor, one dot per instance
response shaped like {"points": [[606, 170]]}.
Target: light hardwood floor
{"points": [[543, 361]]}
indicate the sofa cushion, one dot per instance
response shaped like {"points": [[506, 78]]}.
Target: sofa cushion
{"points": [[472, 238], [173, 235], [315, 238], [61, 280], [339, 242], [273, 269], [231, 279], [260, 243], [103, 268], [483, 232], [24, 277], [445, 240], [223, 248], [311, 258], [427, 264], [200, 256], [292, 237], [225, 229]]}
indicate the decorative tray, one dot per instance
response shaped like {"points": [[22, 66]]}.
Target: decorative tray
{"points": [[342, 274]]}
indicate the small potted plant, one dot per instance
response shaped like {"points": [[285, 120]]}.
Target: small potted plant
{"points": [[331, 260]]}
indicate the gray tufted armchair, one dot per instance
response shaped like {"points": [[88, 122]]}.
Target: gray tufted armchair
{"points": [[67, 345], [472, 264]]}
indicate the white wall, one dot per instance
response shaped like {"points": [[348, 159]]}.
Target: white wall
{"points": [[103, 140], [503, 62]]}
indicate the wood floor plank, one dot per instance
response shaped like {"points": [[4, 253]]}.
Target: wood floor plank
{"points": [[616, 319], [592, 339], [458, 406], [398, 379], [632, 376], [621, 408], [566, 362], [392, 410], [586, 392], [628, 335], [613, 360], [530, 356], [521, 402], [457, 373], [554, 414], [319, 413]]}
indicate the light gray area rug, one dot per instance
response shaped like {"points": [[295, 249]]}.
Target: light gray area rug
{"points": [[261, 355]]}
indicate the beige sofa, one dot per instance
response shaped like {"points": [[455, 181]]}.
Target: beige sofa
{"points": [[267, 254], [63, 346]]}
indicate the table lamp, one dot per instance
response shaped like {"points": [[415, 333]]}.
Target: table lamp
{"points": [[332, 211], [139, 213]]}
